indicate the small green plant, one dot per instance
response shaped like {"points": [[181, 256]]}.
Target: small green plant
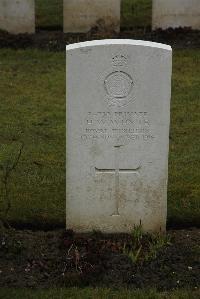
{"points": [[156, 243], [134, 248], [144, 246], [132, 253], [137, 233]]}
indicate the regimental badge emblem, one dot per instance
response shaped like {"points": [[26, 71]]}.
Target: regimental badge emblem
{"points": [[119, 84]]}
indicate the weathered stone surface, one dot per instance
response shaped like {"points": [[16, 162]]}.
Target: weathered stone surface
{"points": [[118, 114], [176, 13], [83, 15], [17, 16]]}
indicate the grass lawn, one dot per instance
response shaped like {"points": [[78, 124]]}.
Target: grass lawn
{"points": [[184, 159], [49, 13], [134, 13], [32, 84], [33, 112], [88, 293]]}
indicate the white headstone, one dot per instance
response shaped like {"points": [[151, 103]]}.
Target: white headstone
{"points": [[83, 15], [176, 13], [17, 16], [118, 115]]}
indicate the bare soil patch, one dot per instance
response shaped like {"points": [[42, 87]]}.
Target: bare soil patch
{"points": [[62, 259], [57, 40]]}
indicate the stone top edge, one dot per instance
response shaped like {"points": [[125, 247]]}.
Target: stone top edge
{"points": [[130, 42]]}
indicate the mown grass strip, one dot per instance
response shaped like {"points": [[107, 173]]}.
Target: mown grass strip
{"points": [[98, 293]]}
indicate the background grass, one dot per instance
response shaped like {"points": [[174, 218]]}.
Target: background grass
{"points": [[32, 84], [33, 112], [184, 160], [134, 13], [89, 293], [49, 13]]}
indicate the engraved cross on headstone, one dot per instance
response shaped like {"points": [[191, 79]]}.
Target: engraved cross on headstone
{"points": [[117, 171]]}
